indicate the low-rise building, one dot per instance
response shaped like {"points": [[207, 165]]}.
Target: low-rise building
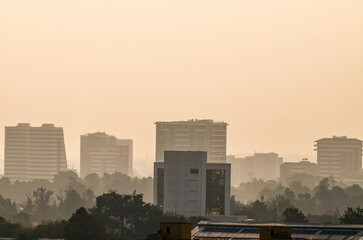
{"points": [[289, 169], [265, 166]]}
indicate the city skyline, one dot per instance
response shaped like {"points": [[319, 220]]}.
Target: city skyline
{"points": [[281, 74], [74, 162]]}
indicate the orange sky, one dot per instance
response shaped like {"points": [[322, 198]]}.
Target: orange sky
{"points": [[281, 73]]}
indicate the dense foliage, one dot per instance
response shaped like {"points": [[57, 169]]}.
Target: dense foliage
{"points": [[320, 200], [114, 216], [46, 207]]}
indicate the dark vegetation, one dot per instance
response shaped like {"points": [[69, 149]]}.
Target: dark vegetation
{"points": [[302, 198], [72, 215], [68, 208]]}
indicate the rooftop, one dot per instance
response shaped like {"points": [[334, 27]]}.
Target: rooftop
{"points": [[191, 121], [234, 230]]}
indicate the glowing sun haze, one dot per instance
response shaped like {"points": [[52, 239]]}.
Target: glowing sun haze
{"points": [[281, 73]]}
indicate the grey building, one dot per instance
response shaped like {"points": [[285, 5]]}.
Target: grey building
{"points": [[264, 166], [289, 169], [192, 135], [34, 152], [338, 156], [102, 153], [185, 183]]}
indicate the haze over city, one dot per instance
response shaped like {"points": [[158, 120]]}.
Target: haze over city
{"points": [[281, 73], [170, 120]]}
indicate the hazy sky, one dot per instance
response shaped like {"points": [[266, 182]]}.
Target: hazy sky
{"points": [[281, 73]]}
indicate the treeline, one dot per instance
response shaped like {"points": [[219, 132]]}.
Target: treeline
{"points": [[114, 216], [322, 202], [121, 183]]}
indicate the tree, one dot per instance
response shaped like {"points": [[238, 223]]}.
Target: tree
{"points": [[84, 226], [28, 206], [305, 203], [71, 203], [7, 208], [127, 215], [42, 203], [23, 219], [259, 211], [323, 197], [293, 215], [8, 229], [89, 198], [352, 216]]}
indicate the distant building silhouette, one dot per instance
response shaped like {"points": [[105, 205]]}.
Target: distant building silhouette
{"points": [[289, 169], [338, 156], [186, 184], [192, 135], [102, 153], [264, 166], [34, 152]]}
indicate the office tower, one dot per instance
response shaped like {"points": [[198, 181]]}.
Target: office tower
{"points": [[34, 152], [186, 184], [192, 135], [102, 153], [265, 166], [338, 156], [289, 169]]}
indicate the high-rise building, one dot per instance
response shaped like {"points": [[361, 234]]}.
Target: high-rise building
{"points": [[265, 166], [192, 135], [102, 153], [338, 156], [289, 169], [186, 184], [34, 152]]}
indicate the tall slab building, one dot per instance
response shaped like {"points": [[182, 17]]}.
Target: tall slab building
{"points": [[192, 135], [102, 153], [338, 156], [34, 152]]}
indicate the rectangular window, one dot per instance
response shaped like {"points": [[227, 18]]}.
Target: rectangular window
{"points": [[194, 171]]}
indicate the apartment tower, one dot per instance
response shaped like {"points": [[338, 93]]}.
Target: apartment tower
{"points": [[338, 156], [102, 153], [192, 135], [34, 152]]}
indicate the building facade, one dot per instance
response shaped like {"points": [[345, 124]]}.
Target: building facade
{"points": [[192, 135], [338, 156], [186, 184], [34, 152], [102, 153], [289, 169], [265, 166]]}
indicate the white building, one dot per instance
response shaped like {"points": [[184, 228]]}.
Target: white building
{"points": [[34, 152], [186, 184], [192, 135]]}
